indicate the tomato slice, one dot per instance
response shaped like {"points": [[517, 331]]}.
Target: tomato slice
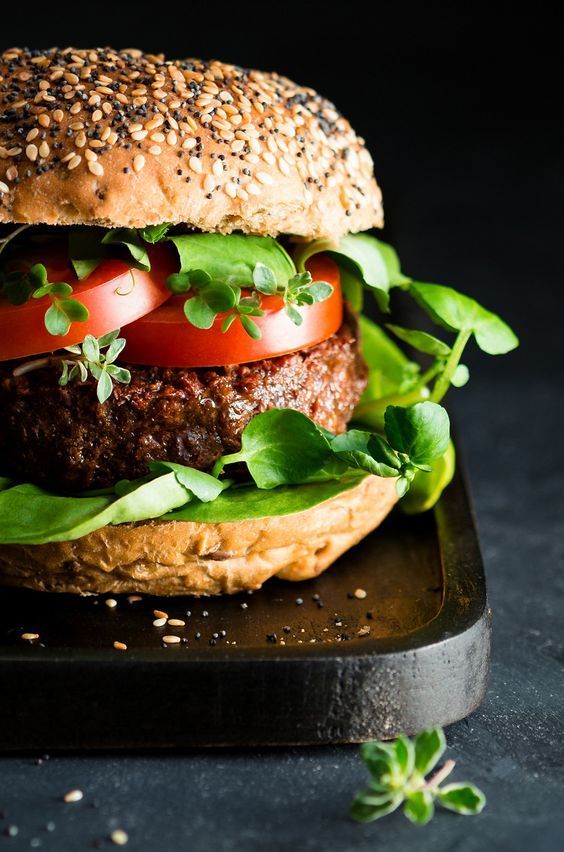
{"points": [[165, 338], [114, 294]]}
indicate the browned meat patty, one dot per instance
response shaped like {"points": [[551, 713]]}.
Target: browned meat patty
{"points": [[63, 439]]}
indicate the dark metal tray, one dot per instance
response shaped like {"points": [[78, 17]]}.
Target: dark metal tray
{"points": [[266, 669]]}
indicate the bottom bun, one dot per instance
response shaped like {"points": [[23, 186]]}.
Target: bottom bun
{"points": [[188, 558]]}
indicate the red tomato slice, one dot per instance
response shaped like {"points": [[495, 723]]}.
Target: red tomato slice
{"points": [[114, 294], [165, 338]]}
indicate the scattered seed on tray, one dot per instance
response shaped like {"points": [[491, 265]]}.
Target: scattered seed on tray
{"points": [[120, 646], [73, 796], [50, 826], [159, 622], [171, 640], [12, 831], [244, 606], [158, 613], [205, 613], [30, 636], [360, 594], [176, 622], [111, 602], [271, 637], [299, 601], [364, 631], [134, 598]]}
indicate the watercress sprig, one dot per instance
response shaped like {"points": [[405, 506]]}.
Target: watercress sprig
{"points": [[19, 286], [91, 359], [284, 447], [398, 772]]}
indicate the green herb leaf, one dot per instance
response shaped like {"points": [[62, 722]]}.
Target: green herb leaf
{"points": [[224, 256], [154, 233], [430, 746], [264, 279], [104, 387], [421, 341], [366, 451], [465, 799], [250, 327], [421, 432], [62, 313], [198, 312], [367, 808], [130, 239], [91, 348], [419, 807], [85, 250], [119, 374], [457, 312], [280, 447]]}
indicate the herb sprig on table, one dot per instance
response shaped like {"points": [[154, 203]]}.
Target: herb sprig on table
{"points": [[399, 769]]}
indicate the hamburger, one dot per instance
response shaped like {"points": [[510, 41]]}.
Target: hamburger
{"points": [[191, 400]]}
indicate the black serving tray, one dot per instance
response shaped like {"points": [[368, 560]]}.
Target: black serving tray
{"points": [[335, 668]]}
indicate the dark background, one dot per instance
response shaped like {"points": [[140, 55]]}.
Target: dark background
{"points": [[462, 113]]}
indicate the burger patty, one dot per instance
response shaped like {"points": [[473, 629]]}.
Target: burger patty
{"points": [[62, 438]]}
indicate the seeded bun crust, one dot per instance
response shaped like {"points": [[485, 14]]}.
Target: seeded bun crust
{"points": [[123, 138], [186, 558]]}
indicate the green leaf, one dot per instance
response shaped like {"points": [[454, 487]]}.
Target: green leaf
{"points": [[421, 341], [422, 431], [366, 451], [154, 233], [429, 748], [62, 313], [367, 808], [120, 374], [228, 322], [91, 348], [460, 376], [281, 447], [104, 387], [419, 807], [130, 240], [250, 327], [426, 488], [405, 756], [380, 758], [465, 799], [202, 485], [294, 315], [85, 250], [364, 252], [264, 279], [199, 313], [30, 515], [107, 339], [179, 282], [224, 256], [457, 312], [320, 290], [219, 297], [115, 349]]}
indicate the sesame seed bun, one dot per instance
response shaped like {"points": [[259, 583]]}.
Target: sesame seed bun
{"points": [[123, 138], [187, 558]]}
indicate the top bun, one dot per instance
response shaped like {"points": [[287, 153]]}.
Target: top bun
{"points": [[128, 139]]}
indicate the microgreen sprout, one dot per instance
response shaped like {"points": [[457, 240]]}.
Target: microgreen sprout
{"points": [[18, 286], [89, 358], [399, 769]]}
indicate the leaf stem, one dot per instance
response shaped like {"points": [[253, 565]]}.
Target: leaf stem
{"points": [[443, 382], [5, 240], [439, 776]]}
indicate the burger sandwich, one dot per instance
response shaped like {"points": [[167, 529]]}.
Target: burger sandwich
{"points": [[191, 400]]}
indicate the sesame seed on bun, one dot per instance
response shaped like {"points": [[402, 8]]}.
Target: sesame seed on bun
{"points": [[125, 138]]}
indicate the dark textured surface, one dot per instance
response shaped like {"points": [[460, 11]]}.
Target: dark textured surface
{"points": [[467, 142]]}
